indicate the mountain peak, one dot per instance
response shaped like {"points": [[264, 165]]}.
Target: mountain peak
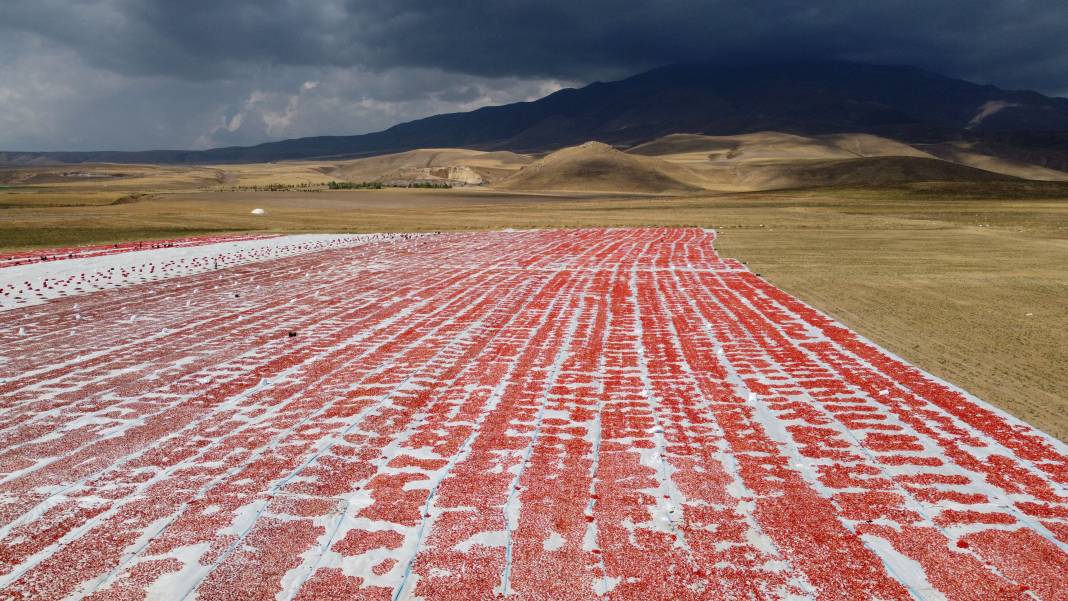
{"points": [[805, 97]]}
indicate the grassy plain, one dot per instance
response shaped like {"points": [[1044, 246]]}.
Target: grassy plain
{"points": [[968, 281]]}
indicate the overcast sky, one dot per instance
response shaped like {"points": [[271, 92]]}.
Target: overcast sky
{"points": [[141, 74]]}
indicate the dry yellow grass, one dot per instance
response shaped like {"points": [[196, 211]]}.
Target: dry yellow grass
{"points": [[965, 280], [971, 290], [29, 198], [108, 177]]}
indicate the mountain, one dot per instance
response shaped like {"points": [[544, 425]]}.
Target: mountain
{"points": [[809, 98]]}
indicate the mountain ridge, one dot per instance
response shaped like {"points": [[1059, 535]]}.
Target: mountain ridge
{"points": [[811, 98]]}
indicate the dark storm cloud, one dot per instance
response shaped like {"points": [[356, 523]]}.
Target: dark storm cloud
{"points": [[379, 61], [1019, 39]]}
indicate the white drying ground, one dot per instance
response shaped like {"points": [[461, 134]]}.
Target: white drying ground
{"points": [[36, 283]]}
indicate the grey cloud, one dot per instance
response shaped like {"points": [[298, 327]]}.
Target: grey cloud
{"points": [[177, 72], [51, 100], [1020, 41]]}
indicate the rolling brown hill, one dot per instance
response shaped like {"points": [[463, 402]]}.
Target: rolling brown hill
{"points": [[775, 160], [459, 165], [597, 167], [772, 145], [867, 171], [752, 162], [967, 153], [674, 164]]}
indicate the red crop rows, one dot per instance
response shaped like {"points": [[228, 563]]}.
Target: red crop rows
{"points": [[583, 414]]}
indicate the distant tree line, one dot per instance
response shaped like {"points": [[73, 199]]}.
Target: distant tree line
{"points": [[303, 187], [354, 185], [380, 185], [335, 185]]}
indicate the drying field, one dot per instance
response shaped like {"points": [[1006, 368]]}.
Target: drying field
{"points": [[540, 415], [967, 281]]}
